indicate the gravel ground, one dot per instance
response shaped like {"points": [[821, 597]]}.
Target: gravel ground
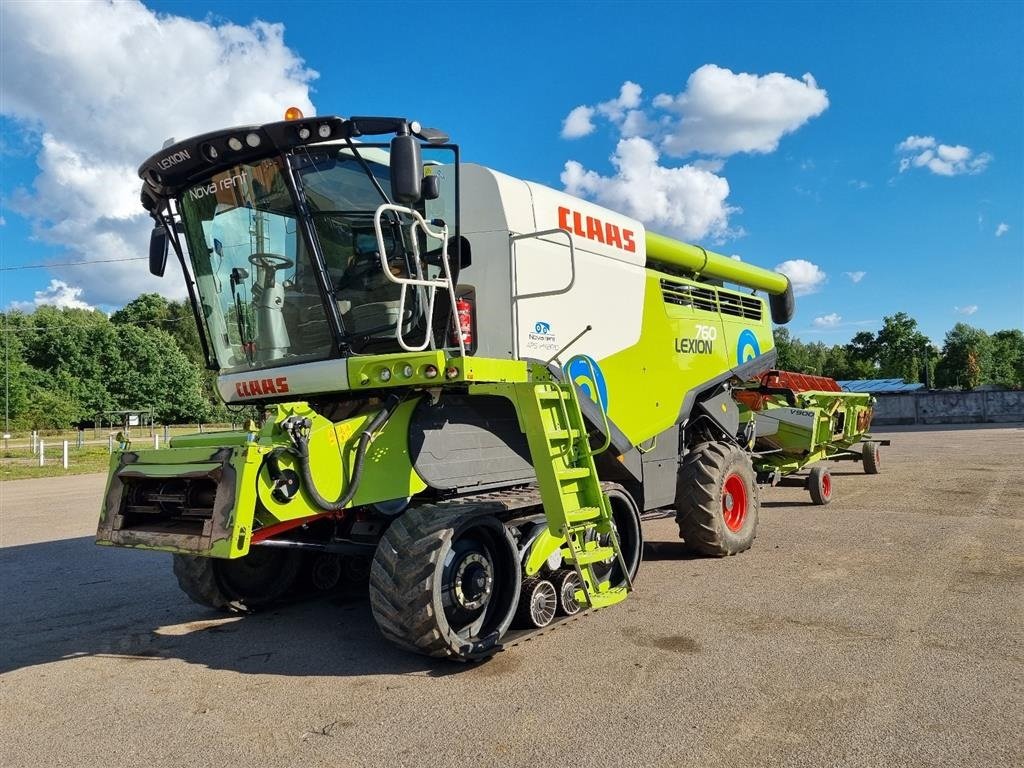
{"points": [[884, 629]]}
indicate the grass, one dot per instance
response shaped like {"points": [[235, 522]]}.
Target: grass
{"points": [[20, 464]]}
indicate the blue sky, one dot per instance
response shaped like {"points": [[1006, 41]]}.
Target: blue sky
{"points": [[502, 78]]}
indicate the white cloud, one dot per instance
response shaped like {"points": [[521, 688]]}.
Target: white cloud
{"points": [[855, 277], [940, 159], [58, 294], [686, 201], [914, 143], [722, 112], [805, 276], [578, 123], [122, 80], [970, 309], [827, 321], [1002, 229], [628, 99]]}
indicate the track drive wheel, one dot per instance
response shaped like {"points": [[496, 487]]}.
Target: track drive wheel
{"points": [[717, 500], [538, 603], [445, 581], [819, 483], [872, 454], [241, 585]]}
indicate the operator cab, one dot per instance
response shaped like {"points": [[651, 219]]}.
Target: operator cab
{"points": [[304, 244]]}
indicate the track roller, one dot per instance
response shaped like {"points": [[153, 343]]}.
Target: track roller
{"points": [[538, 603], [567, 583]]}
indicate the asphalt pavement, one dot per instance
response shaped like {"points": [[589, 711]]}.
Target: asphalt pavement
{"points": [[886, 629]]}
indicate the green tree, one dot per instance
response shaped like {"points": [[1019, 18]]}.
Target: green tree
{"points": [[1006, 359], [966, 357], [901, 350]]}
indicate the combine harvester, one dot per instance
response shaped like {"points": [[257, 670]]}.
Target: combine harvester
{"points": [[797, 420], [471, 384]]}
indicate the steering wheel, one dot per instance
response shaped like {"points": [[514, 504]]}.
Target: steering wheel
{"points": [[271, 261]]}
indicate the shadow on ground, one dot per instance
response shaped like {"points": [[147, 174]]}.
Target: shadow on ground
{"points": [[70, 598]]}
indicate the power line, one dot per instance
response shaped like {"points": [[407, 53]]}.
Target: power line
{"points": [[71, 263]]}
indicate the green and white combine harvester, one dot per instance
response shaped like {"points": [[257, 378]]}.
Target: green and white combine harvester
{"points": [[473, 386]]}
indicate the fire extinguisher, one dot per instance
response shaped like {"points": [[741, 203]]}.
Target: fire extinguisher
{"points": [[464, 312]]}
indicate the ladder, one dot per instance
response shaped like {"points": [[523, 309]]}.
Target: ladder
{"points": [[574, 504]]}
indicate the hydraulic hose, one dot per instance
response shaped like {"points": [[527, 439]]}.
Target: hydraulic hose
{"points": [[298, 430]]}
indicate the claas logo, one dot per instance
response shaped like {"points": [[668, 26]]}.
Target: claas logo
{"points": [[594, 229], [257, 387]]}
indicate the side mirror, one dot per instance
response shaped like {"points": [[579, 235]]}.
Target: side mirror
{"points": [[431, 188], [159, 242], [406, 170]]}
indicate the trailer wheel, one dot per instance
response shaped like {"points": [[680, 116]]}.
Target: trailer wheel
{"points": [[872, 454], [445, 581], [819, 483], [717, 500], [240, 585]]}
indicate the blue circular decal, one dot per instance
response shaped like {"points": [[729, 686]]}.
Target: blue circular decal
{"points": [[584, 375], [747, 347]]}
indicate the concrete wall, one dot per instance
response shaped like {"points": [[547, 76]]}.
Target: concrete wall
{"points": [[950, 407]]}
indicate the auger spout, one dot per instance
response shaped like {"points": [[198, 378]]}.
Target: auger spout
{"points": [[710, 264]]}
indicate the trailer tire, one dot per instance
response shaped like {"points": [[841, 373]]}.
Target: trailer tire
{"points": [[240, 585], [717, 500], [872, 458], [819, 484], [423, 595]]}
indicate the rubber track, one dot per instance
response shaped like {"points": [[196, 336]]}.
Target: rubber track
{"points": [[407, 559], [197, 580]]}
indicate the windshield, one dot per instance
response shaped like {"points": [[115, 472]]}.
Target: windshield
{"points": [[255, 277], [342, 190]]}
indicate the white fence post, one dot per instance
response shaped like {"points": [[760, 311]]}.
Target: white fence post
{"points": [[65, 454], [41, 453], [156, 440], [110, 443], [81, 438], [35, 442]]}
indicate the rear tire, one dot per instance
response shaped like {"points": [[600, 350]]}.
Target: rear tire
{"points": [[872, 454], [717, 500], [445, 581], [819, 483], [239, 585]]}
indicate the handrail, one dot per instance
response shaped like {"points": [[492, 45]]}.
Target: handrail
{"points": [[514, 278], [419, 281]]}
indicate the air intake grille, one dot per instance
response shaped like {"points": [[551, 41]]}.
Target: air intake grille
{"points": [[712, 300]]}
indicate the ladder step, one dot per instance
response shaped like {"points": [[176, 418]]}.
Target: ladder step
{"points": [[557, 394], [580, 515], [562, 434], [595, 555], [572, 473], [608, 597]]}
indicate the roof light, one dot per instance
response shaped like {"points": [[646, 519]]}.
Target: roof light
{"points": [[235, 143], [430, 371], [304, 133], [293, 113], [211, 152], [407, 371], [324, 130], [385, 374], [451, 372], [253, 140]]}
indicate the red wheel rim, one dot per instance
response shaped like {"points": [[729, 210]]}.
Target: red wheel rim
{"points": [[826, 485], [734, 502]]}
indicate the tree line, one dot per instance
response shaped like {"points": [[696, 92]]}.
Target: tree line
{"points": [[969, 357], [67, 366]]}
